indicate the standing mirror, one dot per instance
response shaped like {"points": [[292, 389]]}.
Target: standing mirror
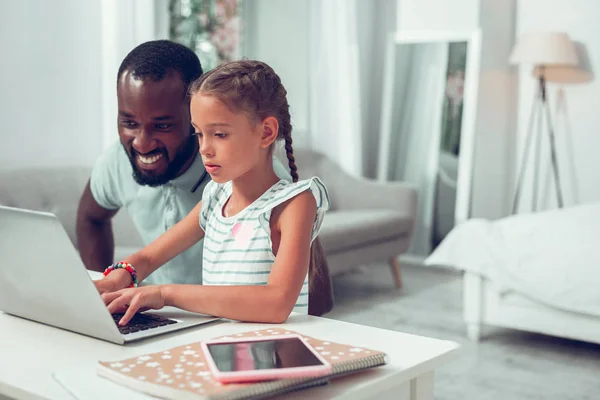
{"points": [[427, 121]]}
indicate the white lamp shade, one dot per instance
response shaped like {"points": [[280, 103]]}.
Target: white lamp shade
{"points": [[562, 74], [548, 48]]}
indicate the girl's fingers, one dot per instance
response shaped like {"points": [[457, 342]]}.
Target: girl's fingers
{"points": [[131, 310], [118, 303], [108, 297], [124, 300], [121, 310]]}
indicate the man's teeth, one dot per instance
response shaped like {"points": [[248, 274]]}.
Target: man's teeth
{"points": [[149, 160]]}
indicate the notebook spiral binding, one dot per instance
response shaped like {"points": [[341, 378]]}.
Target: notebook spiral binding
{"points": [[354, 366], [272, 389], [281, 387]]}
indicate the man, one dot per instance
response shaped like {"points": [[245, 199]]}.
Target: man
{"points": [[155, 172]]}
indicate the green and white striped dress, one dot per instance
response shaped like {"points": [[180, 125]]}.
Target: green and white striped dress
{"points": [[238, 249]]}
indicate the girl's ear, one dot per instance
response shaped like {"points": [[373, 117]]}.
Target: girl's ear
{"points": [[270, 130]]}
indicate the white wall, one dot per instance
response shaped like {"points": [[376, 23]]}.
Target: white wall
{"points": [[577, 129], [496, 106], [50, 91], [58, 76], [437, 14], [277, 33]]}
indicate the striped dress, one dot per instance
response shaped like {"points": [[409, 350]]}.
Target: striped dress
{"points": [[238, 249]]}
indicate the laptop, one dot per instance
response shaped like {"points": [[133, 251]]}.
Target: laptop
{"points": [[43, 279]]}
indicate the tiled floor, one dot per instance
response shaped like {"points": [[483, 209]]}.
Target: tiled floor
{"points": [[506, 364]]}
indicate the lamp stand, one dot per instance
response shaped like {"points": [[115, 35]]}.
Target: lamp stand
{"points": [[541, 108]]}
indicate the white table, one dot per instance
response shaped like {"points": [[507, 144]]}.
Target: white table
{"points": [[39, 361]]}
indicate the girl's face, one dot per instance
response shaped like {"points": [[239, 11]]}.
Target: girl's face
{"points": [[230, 143]]}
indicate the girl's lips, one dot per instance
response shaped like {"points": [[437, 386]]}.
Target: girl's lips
{"points": [[210, 168]]}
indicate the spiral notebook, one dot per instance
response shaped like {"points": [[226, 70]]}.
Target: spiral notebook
{"points": [[182, 372]]}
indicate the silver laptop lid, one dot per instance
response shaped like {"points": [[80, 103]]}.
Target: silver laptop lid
{"points": [[43, 279]]}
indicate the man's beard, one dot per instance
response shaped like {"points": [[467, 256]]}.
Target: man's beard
{"points": [[182, 156]]}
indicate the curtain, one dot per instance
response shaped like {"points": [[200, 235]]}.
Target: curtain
{"points": [[334, 83]]}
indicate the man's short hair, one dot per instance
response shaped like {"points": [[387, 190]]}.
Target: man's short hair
{"points": [[152, 60]]}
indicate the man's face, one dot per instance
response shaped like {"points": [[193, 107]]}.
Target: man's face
{"points": [[154, 127]]}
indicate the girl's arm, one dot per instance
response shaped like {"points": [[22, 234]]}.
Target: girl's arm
{"points": [[273, 302], [177, 239], [174, 241]]}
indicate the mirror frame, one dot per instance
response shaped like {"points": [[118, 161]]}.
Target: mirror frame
{"points": [[467, 136]]}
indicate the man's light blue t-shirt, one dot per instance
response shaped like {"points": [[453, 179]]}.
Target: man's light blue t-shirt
{"points": [[155, 209]]}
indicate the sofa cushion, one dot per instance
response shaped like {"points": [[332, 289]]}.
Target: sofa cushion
{"points": [[347, 229]]}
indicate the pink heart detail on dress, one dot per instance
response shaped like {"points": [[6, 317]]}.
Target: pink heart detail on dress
{"points": [[242, 233]]}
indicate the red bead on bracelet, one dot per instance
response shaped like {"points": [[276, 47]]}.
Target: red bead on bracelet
{"points": [[126, 266]]}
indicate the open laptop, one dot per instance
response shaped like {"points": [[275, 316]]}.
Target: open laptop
{"points": [[43, 279]]}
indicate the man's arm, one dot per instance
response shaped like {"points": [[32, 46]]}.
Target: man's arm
{"points": [[95, 239]]}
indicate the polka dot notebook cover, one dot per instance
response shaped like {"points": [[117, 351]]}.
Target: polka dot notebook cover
{"points": [[182, 372]]}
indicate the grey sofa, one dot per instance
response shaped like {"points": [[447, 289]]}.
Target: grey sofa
{"points": [[368, 221]]}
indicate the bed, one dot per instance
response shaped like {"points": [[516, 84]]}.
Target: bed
{"points": [[484, 304], [534, 272]]}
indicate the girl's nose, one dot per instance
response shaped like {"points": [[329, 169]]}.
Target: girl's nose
{"points": [[205, 147]]}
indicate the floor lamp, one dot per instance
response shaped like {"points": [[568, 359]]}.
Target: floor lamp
{"points": [[543, 51]]}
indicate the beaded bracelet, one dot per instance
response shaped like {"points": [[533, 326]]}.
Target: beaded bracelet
{"points": [[128, 267]]}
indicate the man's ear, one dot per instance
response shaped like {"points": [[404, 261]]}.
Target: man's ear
{"points": [[270, 130]]}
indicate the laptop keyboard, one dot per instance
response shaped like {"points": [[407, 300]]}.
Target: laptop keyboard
{"points": [[142, 322]]}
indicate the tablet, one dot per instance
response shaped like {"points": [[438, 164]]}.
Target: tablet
{"points": [[263, 358]]}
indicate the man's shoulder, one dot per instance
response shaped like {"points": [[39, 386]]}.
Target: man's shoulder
{"points": [[113, 154], [112, 181], [114, 164]]}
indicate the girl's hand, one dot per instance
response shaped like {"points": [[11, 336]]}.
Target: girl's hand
{"points": [[132, 300], [116, 280]]}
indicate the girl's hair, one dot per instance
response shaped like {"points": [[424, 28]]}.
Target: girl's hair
{"points": [[252, 87]]}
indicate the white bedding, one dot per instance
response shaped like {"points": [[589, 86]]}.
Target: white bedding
{"points": [[551, 256]]}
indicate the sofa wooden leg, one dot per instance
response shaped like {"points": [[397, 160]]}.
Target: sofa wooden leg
{"points": [[395, 268]]}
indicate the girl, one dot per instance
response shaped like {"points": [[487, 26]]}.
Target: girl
{"points": [[259, 229]]}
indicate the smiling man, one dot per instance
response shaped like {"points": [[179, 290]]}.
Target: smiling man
{"points": [[154, 170]]}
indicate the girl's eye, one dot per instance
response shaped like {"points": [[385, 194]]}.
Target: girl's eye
{"points": [[220, 135]]}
